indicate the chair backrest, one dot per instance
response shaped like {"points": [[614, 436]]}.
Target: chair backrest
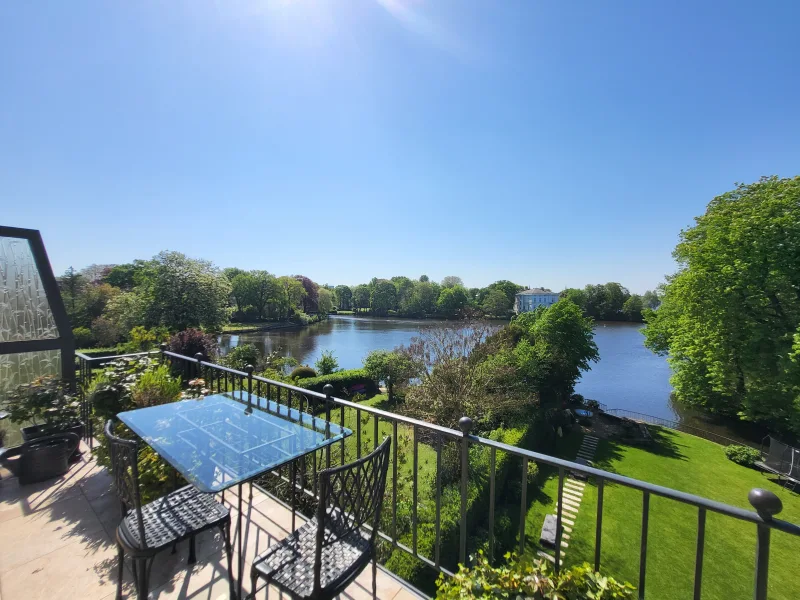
{"points": [[125, 473], [350, 496]]}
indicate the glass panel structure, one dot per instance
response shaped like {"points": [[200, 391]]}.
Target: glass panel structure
{"points": [[24, 310]]}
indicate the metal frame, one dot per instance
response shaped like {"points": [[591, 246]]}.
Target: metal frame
{"points": [[65, 342], [766, 504]]}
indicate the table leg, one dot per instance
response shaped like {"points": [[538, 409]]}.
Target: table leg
{"points": [[241, 535]]}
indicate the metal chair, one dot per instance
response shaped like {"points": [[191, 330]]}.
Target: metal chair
{"points": [[319, 560], [147, 530]]}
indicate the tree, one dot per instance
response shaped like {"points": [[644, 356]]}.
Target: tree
{"points": [[632, 309], [509, 288], [730, 315], [344, 297], [424, 278], [124, 276], [496, 303], [651, 299], [452, 281], [291, 298], [311, 299], [422, 300], [325, 301], [404, 287], [327, 363], [71, 284], [395, 368], [452, 301], [180, 292], [256, 290], [383, 298], [361, 297]]}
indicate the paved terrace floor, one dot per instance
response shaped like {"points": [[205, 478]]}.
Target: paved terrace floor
{"points": [[57, 541]]}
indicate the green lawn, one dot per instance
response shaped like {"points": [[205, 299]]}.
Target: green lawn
{"points": [[693, 465]]}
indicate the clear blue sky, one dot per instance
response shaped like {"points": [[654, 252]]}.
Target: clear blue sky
{"points": [[551, 143]]}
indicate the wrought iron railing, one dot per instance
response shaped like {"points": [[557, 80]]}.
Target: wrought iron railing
{"points": [[249, 388]]}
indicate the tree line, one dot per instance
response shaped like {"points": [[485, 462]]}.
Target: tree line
{"points": [[612, 302]]}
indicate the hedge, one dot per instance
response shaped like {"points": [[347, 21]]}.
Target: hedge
{"points": [[409, 568], [345, 383]]}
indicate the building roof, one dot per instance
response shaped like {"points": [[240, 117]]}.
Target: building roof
{"points": [[534, 291]]}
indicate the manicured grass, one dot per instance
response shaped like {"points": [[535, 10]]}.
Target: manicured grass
{"points": [[688, 464], [243, 327]]}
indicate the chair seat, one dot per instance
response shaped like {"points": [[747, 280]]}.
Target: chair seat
{"points": [[172, 518], [289, 564]]}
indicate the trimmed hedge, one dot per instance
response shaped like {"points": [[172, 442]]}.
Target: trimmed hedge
{"points": [[345, 383], [506, 467]]}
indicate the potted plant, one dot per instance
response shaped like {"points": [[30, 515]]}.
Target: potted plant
{"points": [[46, 406]]}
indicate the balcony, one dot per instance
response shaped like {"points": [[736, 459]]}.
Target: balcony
{"points": [[58, 535]]}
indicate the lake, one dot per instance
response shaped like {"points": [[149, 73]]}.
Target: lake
{"points": [[627, 376]]}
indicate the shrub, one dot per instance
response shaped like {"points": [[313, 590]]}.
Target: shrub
{"points": [[302, 372], [83, 337], [105, 331], [142, 339], [577, 398], [191, 341], [535, 580], [743, 455], [593, 405], [327, 363], [345, 383], [156, 387], [241, 356], [44, 400]]}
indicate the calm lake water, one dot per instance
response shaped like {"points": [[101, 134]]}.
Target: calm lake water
{"points": [[627, 376]]}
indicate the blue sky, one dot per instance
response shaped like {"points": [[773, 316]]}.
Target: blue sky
{"points": [[551, 143]]}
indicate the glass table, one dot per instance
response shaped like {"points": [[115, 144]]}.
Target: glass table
{"points": [[219, 441]]}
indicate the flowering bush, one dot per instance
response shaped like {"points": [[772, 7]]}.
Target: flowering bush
{"points": [[197, 389], [191, 341]]}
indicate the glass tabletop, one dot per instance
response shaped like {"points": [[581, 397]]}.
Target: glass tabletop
{"points": [[215, 444]]}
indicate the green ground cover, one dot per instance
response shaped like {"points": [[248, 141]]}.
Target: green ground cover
{"points": [[688, 464]]}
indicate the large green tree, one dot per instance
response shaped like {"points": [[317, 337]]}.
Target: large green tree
{"points": [[361, 296], [383, 297], [344, 297], [729, 317], [181, 292], [452, 301]]}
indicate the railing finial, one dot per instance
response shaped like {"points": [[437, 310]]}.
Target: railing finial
{"points": [[327, 389], [766, 503], [465, 425]]}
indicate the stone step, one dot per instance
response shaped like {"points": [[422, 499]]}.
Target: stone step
{"points": [[575, 499], [546, 556], [567, 520], [564, 544]]}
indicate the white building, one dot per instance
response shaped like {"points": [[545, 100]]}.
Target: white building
{"points": [[534, 298]]}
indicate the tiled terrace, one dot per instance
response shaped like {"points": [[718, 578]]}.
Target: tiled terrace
{"points": [[57, 541]]}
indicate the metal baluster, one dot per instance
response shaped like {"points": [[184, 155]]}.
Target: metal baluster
{"points": [[414, 493], [293, 478], [249, 370], [492, 461], [465, 424], [768, 505], [438, 497], [328, 390], [375, 432], [523, 505], [358, 434], [559, 512], [394, 482], [341, 422], [643, 550], [698, 560], [598, 534]]}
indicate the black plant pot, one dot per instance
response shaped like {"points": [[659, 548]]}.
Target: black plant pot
{"points": [[33, 432], [46, 457]]}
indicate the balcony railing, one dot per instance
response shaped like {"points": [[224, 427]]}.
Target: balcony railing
{"points": [[301, 483]]}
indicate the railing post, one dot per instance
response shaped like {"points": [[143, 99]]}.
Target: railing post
{"points": [[162, 348], [465, 425], [199, 358], [327, 389], [249, 370], [767, 505]]}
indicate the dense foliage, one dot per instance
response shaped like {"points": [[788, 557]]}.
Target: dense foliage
{"points": [[302, 372], [46, 400], [241, 356], [611, 302], [346, 383], [327, 363], [535, 580], [395, 368], [730, 317], [193, 341], [743, 455]]}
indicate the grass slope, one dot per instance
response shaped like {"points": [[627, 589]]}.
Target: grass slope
{"points": [[688, 464]]}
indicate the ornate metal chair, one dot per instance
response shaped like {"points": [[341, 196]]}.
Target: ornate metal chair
{"points": [[319, 560], [147, 530]]}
